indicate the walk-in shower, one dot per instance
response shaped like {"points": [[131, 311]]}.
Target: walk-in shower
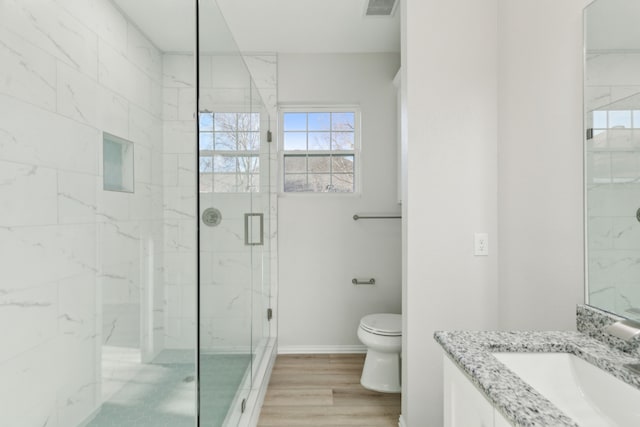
{"points": [[137, 215]]}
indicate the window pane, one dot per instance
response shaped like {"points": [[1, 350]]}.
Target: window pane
{"points": [[620, 119], [255, 122], [244, 121], [320, 183], [206, 141], [310, 138], [220, 132], [342, 164], [319, 141], [343, 121], [319, 164], [224, 183], [225, 121], [320, 121], [249, 141], [206, 121], [599, 119], [295, 182], [295, 121], [295, 141], [248, 183], [255, 181], [342, 141], [342, 182], [248, 164], [636, 119], [243, 184], [206, 164], [224, 164], [294, 164], [225, 141]]}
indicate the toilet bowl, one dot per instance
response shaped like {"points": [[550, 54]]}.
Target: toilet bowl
{"points": [[382, 334]]}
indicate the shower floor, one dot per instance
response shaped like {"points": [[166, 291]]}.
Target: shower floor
{"points": [[163, 393]]}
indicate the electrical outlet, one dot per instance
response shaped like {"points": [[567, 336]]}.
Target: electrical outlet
{"points": [[481, 246]]}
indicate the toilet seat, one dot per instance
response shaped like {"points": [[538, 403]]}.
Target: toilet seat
{"points": [[384, 324]]}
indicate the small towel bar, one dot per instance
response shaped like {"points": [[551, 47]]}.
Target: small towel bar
{"points": [[357, 217], [371, 281]]}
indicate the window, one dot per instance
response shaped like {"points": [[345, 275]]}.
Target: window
{"points": [[320, 150], [229, 152]]}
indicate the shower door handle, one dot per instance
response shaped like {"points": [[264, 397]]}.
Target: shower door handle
{"points": [[254, 229]]}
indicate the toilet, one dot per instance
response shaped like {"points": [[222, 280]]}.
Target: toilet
{"points": [[382, 334]]}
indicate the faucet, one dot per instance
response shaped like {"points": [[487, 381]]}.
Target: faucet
{"points": [[627, 330], [624, 329]]}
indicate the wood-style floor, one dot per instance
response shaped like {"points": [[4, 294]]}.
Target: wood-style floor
{"points": [[324, 391]]}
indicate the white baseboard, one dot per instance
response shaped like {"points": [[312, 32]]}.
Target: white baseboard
{"points": [[401, 422], [321, 349]]}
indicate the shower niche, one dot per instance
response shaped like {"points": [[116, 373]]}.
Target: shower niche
{"points": [[117, 163]]}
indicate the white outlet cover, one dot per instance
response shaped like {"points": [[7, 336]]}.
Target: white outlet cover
{"points": [[481, 244]]}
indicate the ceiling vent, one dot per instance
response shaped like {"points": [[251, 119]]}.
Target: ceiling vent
{"points": [[380, 7]]}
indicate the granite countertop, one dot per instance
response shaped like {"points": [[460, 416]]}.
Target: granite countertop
{"points": [[516, 400]]}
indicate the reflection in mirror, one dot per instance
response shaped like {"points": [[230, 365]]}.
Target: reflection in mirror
{"points": [[612, 157]]}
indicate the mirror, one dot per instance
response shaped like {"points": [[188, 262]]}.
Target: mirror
{"points": [[612, 155]]}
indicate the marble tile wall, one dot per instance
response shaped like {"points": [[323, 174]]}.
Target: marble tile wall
{"points": [[72, 69], [179, 203], [82, 266], [613, 182]]}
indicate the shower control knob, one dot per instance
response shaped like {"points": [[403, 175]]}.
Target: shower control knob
{"points": [[211, 217]]}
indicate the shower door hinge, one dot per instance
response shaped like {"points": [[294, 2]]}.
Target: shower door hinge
{"points": [[269, 314], [269, 136], [589, 133], [243, 406]]}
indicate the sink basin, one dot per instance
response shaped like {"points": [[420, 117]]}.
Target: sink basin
{"points": [[589, 395]]}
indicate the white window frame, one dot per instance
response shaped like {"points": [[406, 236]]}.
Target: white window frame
{"points": [[356, 152]]}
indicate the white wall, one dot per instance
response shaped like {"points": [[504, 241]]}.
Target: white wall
{"points": [[540, 163], [69, 71], [508, 106], [450, 85], [321, 248]]}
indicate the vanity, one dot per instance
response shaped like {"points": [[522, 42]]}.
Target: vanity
{"points": [[495, 378]]}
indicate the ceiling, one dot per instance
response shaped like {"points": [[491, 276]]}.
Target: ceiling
{"points": [[170, 25], [284, 26]]}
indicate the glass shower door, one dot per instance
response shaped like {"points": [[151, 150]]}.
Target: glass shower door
{"points": [[261, 253], [232, 220]]}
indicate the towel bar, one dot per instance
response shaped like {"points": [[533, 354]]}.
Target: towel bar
{"points": [[357, 217], [371, 281]]}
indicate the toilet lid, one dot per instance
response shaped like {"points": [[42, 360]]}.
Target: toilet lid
{"points": [[383, 324]]}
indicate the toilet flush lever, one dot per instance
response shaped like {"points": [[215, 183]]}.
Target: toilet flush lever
{"points": [[371, 281]]}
